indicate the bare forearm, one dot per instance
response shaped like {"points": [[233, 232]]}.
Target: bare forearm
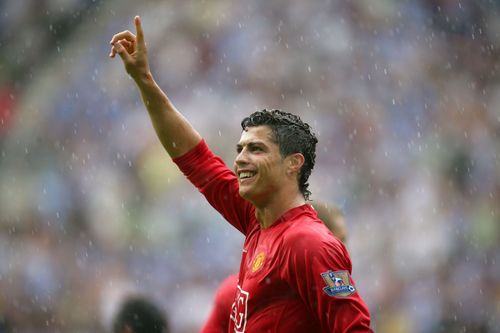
{"points": [[175, 133]]}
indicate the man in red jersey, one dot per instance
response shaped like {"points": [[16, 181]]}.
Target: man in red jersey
{"points": [[218, 319], [294, 276]]}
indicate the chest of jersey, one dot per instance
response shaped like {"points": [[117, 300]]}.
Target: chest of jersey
{"points": [[265, 302], [261, 269]]}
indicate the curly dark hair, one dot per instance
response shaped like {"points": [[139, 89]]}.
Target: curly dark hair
{"points": [[292, 136]]}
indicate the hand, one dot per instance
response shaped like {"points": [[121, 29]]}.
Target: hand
{"points": [[132, 50]]}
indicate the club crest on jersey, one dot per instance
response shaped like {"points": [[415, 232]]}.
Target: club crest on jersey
{"points": [[338, 284], [258, 261]]}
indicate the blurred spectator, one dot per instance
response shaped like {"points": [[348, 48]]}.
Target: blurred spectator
{"points": [[7, 106], [333, 218], [140, 315]]}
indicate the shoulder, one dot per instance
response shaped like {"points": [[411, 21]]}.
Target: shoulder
{"points": [[225, 293], [228, 284], [311, 246], [303, 224], [307, 230]]}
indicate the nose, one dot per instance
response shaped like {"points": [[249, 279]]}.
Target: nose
{"points": [[241, 159]]}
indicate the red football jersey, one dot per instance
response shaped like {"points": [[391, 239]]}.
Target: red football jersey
{"points": [[295, 276], [218, 320]]}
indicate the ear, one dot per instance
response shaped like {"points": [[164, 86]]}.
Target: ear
{"points": [[295, 162]]}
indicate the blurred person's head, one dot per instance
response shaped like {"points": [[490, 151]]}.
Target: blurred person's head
{"points": [[280, 146], [333, 218], [140, 315]]}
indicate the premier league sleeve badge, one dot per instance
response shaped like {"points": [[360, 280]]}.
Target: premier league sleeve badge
{"points": [[338, 284]]}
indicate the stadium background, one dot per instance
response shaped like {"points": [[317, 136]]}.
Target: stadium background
{"points": [[405, 97]]}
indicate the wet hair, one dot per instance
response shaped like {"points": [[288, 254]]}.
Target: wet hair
{"points": [[292, 136], [141, 315]]}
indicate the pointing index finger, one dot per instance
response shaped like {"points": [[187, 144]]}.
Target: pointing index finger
{"points": [[138, 28]]}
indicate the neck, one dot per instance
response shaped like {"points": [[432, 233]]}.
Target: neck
{"points": [[267, 214]]}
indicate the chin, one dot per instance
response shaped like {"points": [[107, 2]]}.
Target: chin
{"points": [[246, 194], [243, 194]]}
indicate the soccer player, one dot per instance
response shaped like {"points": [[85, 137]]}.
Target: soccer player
{"points": [[294, 276], [218, 319], [140, 315]]}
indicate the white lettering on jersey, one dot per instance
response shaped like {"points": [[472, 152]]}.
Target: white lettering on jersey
{"points": [[239, 310]]}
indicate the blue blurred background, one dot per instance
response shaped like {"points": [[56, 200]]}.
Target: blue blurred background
{"points": [[405, 98]]}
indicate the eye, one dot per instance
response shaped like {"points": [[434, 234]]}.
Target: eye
{"points": [[239, 149]]}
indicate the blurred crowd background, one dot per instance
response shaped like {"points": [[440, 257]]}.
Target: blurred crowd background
{"points": [[404, 96]]}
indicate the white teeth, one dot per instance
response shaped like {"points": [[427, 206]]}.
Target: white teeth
{"points": [[246, 174]]}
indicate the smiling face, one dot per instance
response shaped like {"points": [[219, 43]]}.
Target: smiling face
{"points": [[259, 166]]}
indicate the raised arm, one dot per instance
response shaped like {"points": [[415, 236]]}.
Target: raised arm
{"points": [[175, 133]]}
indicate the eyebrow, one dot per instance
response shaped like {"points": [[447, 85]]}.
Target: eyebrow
{"points": [[251, 144]]}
